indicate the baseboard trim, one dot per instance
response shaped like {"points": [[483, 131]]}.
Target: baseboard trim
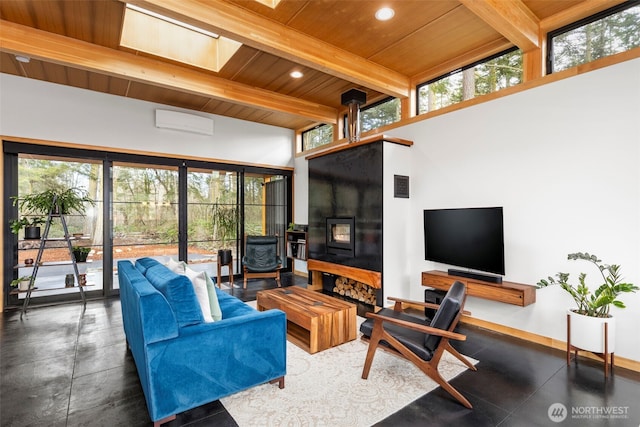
{"points": [[300, 273], [622, 362]]}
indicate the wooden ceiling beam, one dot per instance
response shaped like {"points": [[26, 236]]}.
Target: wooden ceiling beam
{"points": [[511, 18], [49, 47], [269, 36]]}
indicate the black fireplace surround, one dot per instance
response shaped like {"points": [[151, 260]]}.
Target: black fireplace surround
{"points": [[347, 186]]}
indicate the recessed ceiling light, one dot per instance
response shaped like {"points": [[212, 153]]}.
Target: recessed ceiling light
{"points": [[296, 74], [384, 14], [23, 59]]}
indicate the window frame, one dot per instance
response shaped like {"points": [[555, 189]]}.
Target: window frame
{"points": [[368, 107], [318, 126], [581, 23], [459, 70]]}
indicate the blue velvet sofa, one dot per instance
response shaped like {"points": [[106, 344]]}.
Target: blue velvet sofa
{"points": [[184, 362]]}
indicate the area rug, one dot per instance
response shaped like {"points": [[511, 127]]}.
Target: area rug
{"points": [[326, 389]]}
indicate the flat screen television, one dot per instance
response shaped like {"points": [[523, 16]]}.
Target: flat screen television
{"points": [[472, 238]]}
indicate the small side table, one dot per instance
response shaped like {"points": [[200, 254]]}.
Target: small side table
{"points": [[230, 276]]}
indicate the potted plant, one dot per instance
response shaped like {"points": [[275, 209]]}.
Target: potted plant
{"points": [[67, 201], [80, 253], [31, 226], [593, 307], [22, 283]]}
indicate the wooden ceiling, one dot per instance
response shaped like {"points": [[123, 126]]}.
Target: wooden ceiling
{"points": [[337, 44]]}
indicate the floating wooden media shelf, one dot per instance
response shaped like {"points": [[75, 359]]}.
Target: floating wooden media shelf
{"points": [[507, 292]]}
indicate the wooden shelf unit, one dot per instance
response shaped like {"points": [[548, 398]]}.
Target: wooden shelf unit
{"points": [[296, 245], [507, 292]]}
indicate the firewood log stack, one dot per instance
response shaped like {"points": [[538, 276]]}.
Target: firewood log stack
{"points": [[355, 290]]}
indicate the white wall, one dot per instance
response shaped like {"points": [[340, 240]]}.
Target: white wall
{"points": [[39, 110], [397, 244], [564, 161]]}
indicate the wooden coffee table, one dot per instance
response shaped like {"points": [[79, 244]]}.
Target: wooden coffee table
{"points": [[315, 321]]}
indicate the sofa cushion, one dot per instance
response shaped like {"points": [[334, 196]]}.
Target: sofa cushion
{"points": [[179, 292], [142, 264], [232, 306]]}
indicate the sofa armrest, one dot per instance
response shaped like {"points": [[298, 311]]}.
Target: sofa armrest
{"points": [[145, 310], [158, 321]]}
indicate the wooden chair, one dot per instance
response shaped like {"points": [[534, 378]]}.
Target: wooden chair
{"points": [[261, 258], [420, 341]]}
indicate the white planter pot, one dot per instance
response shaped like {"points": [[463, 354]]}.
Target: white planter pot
{"points": [[587, 333], [23, 285]]}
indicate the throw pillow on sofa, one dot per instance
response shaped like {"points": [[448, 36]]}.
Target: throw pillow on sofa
{"points": [[199, 281], [176, 266], [214, 304]]}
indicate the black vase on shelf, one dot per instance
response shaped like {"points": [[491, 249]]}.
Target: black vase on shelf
{"points": [[81, 254], [32, 233]]}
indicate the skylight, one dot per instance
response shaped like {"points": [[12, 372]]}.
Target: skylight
{"points": [[162, 36], [271, 3], [172, 21]]}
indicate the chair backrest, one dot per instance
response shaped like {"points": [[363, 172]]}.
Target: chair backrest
{"points": [[449, 309], [261, 251]]}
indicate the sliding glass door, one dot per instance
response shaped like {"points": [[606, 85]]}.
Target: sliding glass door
{"points": [[212, 218], [37, 174], [145, 206], [266, 201], [144, 213]]}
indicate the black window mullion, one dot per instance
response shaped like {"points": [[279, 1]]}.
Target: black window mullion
{"points": [[240, 209], [182, 213], [107, 233]]}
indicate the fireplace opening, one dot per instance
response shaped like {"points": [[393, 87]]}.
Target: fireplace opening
{"points": [[341, 236]]}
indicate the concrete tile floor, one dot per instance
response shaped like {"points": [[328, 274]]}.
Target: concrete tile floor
{"points": [[68, 366]]}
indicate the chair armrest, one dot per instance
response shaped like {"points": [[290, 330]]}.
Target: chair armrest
{"points": [[408, 301], [399, 301], [417, 327]]}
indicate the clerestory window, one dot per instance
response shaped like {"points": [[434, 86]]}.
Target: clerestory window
{"points": [[480, 78], [609, 32]]}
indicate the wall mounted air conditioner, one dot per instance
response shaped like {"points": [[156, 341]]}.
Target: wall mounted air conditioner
{"points": [[185, 122]]}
